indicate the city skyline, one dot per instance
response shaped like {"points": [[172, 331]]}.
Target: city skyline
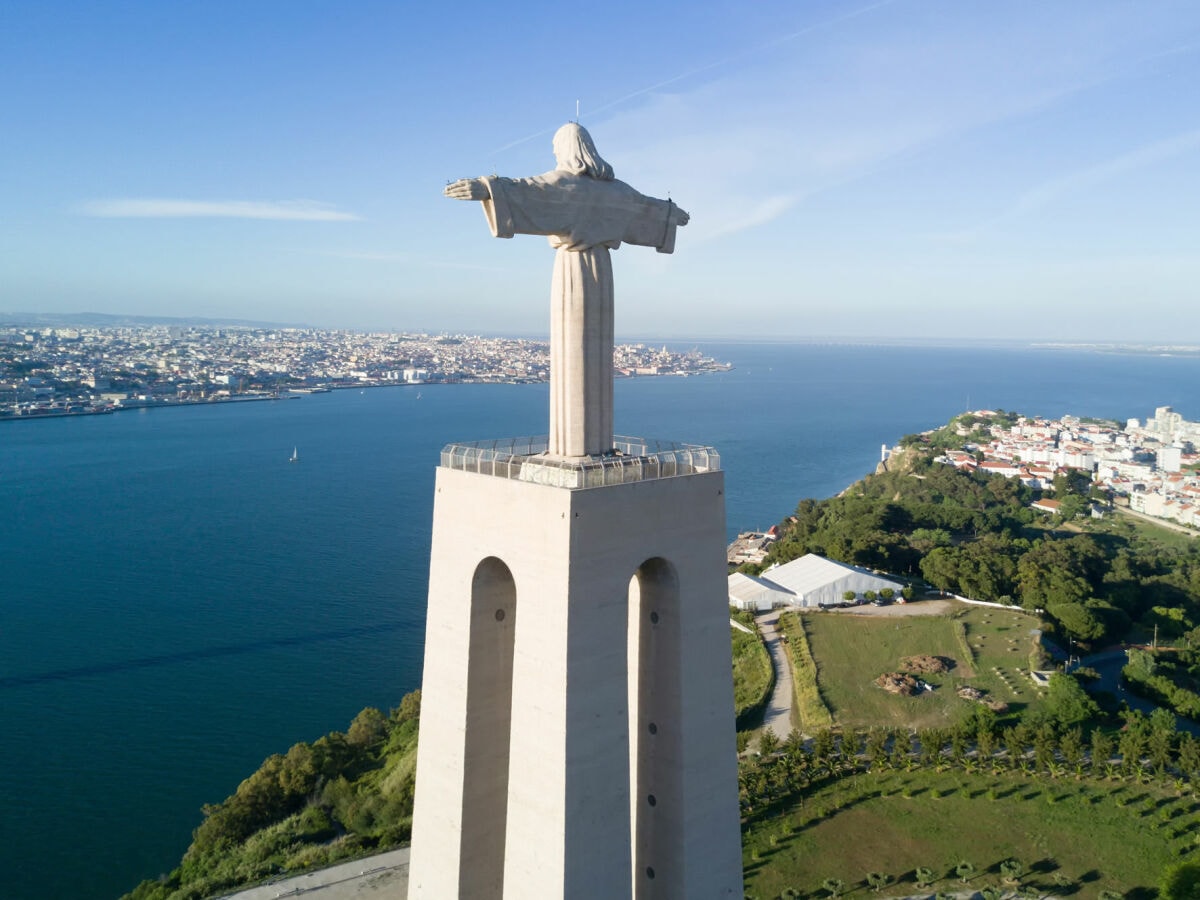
{"points": [[899, 168]]}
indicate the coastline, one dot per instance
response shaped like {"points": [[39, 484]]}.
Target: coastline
{"points": [[297, 393], [135, 405]]}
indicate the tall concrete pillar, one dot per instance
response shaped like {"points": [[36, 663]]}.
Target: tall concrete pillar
{"points": [[577, 733], [581, 353]]}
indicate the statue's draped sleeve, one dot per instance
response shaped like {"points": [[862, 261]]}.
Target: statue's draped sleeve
{"points": [[577, 212]]}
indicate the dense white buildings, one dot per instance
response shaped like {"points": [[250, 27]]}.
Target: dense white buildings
{"points": [[59, 371], [1154, 468]]}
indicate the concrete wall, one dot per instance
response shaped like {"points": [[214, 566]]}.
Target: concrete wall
{"points": [[620, 774]]}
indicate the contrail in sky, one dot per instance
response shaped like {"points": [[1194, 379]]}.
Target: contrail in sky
{"points": [[782, 39]]}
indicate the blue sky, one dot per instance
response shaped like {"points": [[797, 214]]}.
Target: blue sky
{"points": [[912, 168]]}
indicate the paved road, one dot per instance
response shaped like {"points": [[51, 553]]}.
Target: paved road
{"points": [[378, 877], [1109, 664], [1154, 520], [778, 715]]}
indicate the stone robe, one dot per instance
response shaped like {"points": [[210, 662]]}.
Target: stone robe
{"points": [[584, 218]]}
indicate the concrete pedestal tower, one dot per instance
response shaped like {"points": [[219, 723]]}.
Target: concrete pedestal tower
{"points": [[576, 735]]}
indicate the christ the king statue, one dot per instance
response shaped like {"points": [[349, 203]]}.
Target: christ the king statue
{"points": [[585, 212]]}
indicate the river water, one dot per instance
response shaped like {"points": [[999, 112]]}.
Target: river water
{"points": [[178, 601]]}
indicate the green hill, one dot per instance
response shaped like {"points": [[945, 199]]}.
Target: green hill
{"points": [[340, 797]]}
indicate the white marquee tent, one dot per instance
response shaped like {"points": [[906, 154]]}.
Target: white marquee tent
{"points": [[757, 594], [809, 581]]}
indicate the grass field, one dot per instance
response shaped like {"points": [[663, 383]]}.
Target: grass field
{"points": [[1073, 838], [852, 651]]}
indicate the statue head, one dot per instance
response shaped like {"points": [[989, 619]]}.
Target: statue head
{"points": [[574, 152]]}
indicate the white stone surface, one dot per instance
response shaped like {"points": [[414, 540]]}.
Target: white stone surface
{"points": [[577, 819], [383, 876], [585, 212], [577, 703]]}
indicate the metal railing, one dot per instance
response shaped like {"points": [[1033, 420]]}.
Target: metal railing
{"points": [[632, 459]]}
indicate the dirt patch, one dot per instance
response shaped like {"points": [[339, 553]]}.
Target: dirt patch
{"points": [[900, 683], [927, 665], [972, 693]]}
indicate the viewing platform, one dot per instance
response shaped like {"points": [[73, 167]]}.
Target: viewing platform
{"points": [[528, 459]]}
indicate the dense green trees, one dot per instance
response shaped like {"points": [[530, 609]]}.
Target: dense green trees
{"points": [[1053, 572], [890, 520], [1067, 704], [984, 569], [1172, 679], [975, 535], [1180, 882], [369, 727]]}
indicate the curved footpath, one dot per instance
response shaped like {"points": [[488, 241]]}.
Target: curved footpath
{"points": [[1108, 665], [778, 714], [383, 875]]}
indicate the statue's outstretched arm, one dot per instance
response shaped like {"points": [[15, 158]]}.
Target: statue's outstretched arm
{"points": [[679, 216], [467, 189]]}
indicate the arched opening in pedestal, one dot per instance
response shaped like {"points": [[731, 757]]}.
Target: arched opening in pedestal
{"points": [[655, 730], [488, 727]]}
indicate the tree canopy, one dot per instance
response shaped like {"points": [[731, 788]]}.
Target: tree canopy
{"points": [[340, 796], [974, 534]]}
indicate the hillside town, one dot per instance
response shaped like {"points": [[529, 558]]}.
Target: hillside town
{"points": [[1151, 467], [54, 371]]}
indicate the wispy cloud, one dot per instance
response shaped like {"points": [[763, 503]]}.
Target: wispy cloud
{"points": [[777, 123], [752, 216], [1046, 193], [722, 63], [163, 208], [1139, 158]]}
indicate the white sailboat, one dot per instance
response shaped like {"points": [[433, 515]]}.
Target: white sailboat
{"points": [[295, 457]]}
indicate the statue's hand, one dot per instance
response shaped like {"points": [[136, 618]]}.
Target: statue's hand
{"points": [[679, 216], [467, 189]]}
